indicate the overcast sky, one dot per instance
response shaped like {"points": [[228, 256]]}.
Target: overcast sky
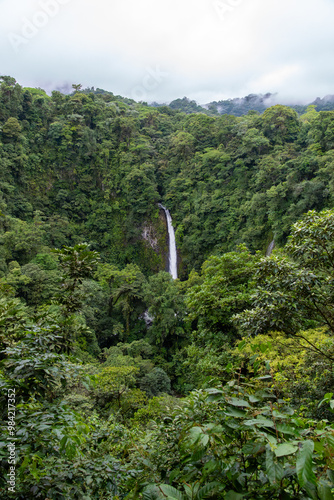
{"points": [[157, 50]]}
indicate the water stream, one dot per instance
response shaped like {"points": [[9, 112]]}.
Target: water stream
{"points": [[172, 259], [270, 248], [172, 264]]}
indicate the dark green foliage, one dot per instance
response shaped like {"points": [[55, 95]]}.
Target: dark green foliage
{"points": [[322, 131], [35, 367], [168, 328], [95, 165], [294, 294], [187, 106], [155, 383], [92, 167], [77, 263], [280, 124], [14, 318], [240, 442], [11, 128], [224, 288], [56, 457], [42, 286]]}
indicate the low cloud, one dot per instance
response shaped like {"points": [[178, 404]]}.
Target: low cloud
{"points": [[206, 49]]}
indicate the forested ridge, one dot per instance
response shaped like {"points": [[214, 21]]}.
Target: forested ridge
{"points": [[241, 106], [127, 383]]}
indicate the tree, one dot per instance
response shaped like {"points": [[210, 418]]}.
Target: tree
{"points": [[11, 128], [35, 367], [14, 319], [164, 297], [128, 291], [298, 373], [41, 284], [76, 87], [51, 437], [295, 290], [125, 290], [155, 382], [182, 145], [224, 288], [201, 127], [77, 263], [141, 191], [253, 144], [112, 383], [10, 97], [322, 130], [280, 124], [22, 240], [309, 115]]}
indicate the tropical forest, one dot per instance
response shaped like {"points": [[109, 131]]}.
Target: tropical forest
{"points": [[121, 380]]}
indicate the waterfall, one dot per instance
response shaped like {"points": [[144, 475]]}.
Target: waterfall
{"points": [[270, 248], [172, 266], [147, 318]]}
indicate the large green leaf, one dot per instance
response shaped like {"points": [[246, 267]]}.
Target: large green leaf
{"points": [[253, 399], [198, 454], [208, 490], [214, 394], [263, 422], [285, 449], [239, 402], [191, 490], [311, 490], [325, 491], [171, 492], [287, 429], [151, 492], [274, 469], [234, 412], [232, 495], [304, 464], [196, 435], [252, 448]]}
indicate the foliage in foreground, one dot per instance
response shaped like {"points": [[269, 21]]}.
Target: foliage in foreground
{"points": [[238, 442]]}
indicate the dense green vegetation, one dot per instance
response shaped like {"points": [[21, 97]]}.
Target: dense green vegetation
{"points": [[227, 391]]}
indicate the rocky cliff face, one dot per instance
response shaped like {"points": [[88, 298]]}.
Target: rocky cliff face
{"points": [[154, 236]]}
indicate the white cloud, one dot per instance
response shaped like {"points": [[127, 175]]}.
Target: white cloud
{"points": [[210, 49]]}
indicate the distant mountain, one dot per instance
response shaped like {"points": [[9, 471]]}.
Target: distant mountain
{"points": [[325, 104], [185, 105], [240, 106], [107, 95]]}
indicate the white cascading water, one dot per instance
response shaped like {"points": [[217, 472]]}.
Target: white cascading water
{"points": [[172, 268], [270, 248], [172, 262]]}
